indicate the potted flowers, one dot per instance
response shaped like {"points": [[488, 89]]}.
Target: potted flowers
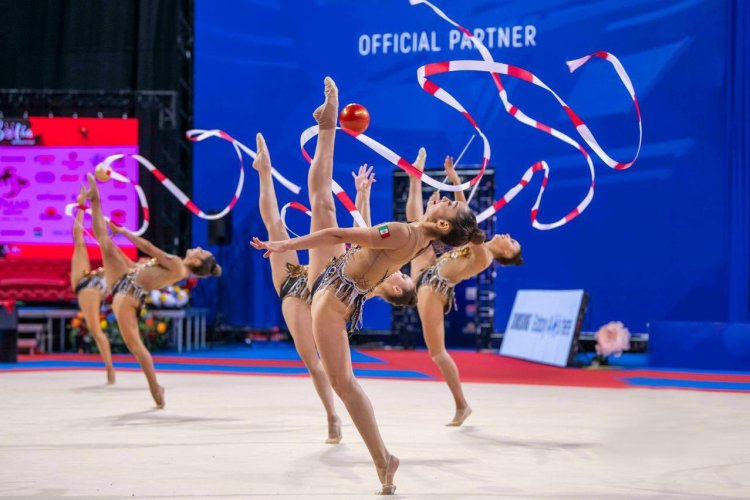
{"points": [[153, 332], [612, 338]]}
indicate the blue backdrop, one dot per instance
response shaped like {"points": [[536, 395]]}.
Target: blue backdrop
{"points": [[655, 242]]}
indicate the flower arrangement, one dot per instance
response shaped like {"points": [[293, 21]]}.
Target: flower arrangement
{"points": [[169, 297], [612, 338], [153, 332], [172, 297]]}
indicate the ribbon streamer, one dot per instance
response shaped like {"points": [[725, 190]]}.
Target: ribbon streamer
{"points": [[296, 206], [495, 69], [488, 65], [195, 135]]}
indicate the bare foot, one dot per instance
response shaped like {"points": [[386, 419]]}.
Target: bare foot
{"points": [[334, 431], [461, 415], [81, 198], [262, 162], [158, 396], [386, 476], [421, 157], [328, 112], [110, 376], [93, 191]]}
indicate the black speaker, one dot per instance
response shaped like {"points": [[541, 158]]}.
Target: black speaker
{"points": [[220, 230]]}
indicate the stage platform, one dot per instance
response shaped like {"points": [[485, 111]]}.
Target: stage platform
{"points": [[244, 422]]}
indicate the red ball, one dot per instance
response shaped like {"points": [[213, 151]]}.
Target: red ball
{"points": [[355, 117]]}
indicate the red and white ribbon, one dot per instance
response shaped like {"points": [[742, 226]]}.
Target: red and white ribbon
{"points": [[296, 206], [72, 208], [340, 194], [402, 162], [198, 135], [488, 65], [495, 69], [195, 135], [507, 197], [345, 200]]}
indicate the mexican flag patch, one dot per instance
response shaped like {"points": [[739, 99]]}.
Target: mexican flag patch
{"points": [[384, 232]]}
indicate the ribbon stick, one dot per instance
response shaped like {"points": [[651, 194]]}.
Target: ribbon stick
{"points": [[458, 160]]}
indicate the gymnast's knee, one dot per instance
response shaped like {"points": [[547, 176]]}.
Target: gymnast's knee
{"points": [[344, 386], [440, 356], [323, 204]]}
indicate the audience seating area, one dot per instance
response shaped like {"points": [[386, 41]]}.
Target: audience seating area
{"points": [[36, 280]]}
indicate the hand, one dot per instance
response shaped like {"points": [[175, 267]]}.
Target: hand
{"points": [[115, 229], [364, 178], [269, 246], [421, 159], [450, 170]]}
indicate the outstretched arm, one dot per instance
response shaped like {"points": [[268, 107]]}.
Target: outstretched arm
{"points": [[390, 236], [450, 171], [162, 258], [363, 181]]}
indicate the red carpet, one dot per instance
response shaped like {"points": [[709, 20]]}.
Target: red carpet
{"points": [[493, 368], [281, 360]]}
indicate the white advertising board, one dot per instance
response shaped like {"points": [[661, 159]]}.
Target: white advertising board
{"points": [[541, 325]]}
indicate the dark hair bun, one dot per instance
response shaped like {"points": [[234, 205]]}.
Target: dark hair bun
{"points": [[216, 271], [477, 237]]}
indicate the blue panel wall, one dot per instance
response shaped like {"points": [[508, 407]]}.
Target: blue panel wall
{"points": [[699, 346], [653, 244]]}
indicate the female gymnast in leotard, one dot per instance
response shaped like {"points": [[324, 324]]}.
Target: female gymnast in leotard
{"points": [[130, 285], [90, 287], [436, 280], [346, 278], [290, 283]]}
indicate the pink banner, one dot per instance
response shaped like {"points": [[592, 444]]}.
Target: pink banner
{"points": [[36, 182]]}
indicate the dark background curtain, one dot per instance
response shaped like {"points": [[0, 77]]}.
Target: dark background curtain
{"points": [[113, 45]]}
